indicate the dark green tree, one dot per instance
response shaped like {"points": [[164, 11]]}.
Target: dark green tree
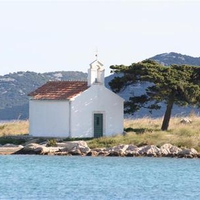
{"points": [[176, 84]]}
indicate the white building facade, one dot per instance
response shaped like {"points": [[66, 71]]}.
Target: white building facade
{"points": [[76, 109]]}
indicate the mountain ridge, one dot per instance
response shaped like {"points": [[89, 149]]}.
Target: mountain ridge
{"points": [[167, 59]]}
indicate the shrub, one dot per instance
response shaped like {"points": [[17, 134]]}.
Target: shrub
{"points": [[51, 143], [6, 140]]}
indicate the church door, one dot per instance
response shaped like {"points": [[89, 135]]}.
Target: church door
{"points": [[98, 125]]}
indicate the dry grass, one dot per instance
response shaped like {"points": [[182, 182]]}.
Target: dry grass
{"points": [[147, 131], [182, 135], [14, 128]]}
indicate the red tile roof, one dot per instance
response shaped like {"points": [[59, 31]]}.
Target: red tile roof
{"points": [[59, 90]]}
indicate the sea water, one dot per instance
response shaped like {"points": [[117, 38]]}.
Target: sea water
{"points": [[98, 178]]}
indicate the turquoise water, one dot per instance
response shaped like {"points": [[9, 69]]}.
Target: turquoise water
{"points": [[99, 178]]}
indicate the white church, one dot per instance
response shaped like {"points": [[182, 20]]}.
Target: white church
{"points": [[76, 109]]}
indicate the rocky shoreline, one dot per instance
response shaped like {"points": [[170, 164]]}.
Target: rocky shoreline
{"points": [[81, 148]]}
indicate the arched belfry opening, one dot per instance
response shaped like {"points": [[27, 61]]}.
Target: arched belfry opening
{"points": [[96, 73]]}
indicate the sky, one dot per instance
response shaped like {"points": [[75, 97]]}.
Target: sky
{"points": [[46, 36]]}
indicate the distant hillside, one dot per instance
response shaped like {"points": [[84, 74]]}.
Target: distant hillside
{"points": [[14, 87], [167, 59]]}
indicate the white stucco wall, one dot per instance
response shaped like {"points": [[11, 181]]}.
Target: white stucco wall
{"points": [[49, 118], [97, 99]]}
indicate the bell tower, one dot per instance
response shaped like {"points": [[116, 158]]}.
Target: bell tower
{"points": [[96, 73]]}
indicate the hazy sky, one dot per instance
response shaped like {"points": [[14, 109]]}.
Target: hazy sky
{"points": [[44, 36]]}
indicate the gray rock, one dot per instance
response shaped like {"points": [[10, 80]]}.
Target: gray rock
{"points": [[132, 150], [117, 150], [10, 145], [131, 147], [75, 147], [99, 152], [75, 152], [92, 153], [189, 153], [34, 148], [68, 146], [50, 150], [186, 121], [32, 140], [149, 150], [99, 149], [169, 150], [103, 153]]}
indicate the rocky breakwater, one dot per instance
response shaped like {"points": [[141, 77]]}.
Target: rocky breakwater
{"points": [[81, 148], [64, 148], [8, 149], [166, 150]]}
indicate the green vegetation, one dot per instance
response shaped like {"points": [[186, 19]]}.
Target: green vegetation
{"points": [[52, 143], [10, 140], [177, 84]]}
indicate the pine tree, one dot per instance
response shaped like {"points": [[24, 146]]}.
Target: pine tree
{"points": [[176, 84]]}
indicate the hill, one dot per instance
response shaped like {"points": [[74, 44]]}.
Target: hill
{"points": [[167, 59], [14, 87]]}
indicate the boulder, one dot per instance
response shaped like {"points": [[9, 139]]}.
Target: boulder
{"points": [[50, 150], [114, 153], [188, 153], [84, 150], [99, 149], [92, 153], [32, 140], [9, 149], [132, 150], [186, 121], [10, 145], [33, 148], [149, 150], [69, 145], [131, 147], [75, 147], [63, 144], [99, 152], [117, 150], [169, 150], [76, 152], [103, 153]]}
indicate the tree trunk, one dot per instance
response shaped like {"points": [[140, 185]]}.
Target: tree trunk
{"points": [[167, 116]]}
